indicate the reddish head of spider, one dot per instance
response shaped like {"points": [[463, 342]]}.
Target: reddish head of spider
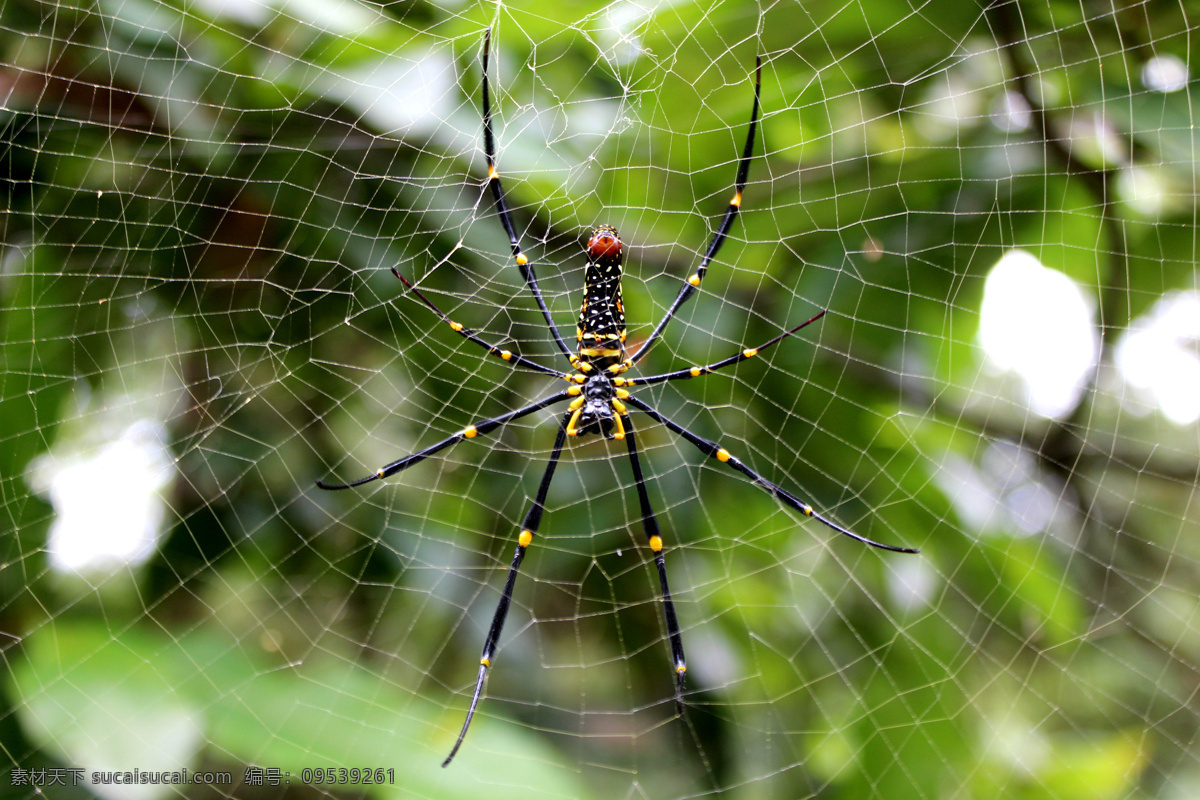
{"points": [[605, 243]]}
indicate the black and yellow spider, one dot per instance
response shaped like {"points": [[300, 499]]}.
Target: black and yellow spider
{"points": [[599, 396]]}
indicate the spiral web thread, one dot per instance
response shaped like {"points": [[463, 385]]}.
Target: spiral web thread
{"points": [[204, 202]]}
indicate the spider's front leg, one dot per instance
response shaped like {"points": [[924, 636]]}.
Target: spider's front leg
{"points": [[470, 432], [532, 521], [715, 451], [655, 540]]}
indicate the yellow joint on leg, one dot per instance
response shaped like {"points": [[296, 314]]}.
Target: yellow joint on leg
{"points": [[750, 352], [656, 544], [808, 511], [622, 394], [620, 434], [485, 662], [575, 418], [506, 355], [723, 455], [575, 391], [619, 407], [492, 174], [522, 259], [695, 279], [470, 432], [737, 199], [695, 372], [456, 326], [525, 538], [682, 668]]}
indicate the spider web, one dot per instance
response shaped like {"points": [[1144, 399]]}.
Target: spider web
{"points": [[203, 201]]}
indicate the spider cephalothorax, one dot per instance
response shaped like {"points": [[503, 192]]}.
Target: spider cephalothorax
{"points": [[598, 408], [599, 394]]}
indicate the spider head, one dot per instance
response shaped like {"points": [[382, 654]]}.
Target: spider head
{"points": [[596, 413], [605, 246]]}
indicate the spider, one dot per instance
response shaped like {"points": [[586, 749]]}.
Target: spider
{"points": [[599, 396]]}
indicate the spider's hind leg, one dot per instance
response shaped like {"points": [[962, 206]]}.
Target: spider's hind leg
{"points": [[502, 211], [735, 204]]}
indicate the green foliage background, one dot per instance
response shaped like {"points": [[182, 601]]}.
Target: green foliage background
{"points": [[200, 211]]}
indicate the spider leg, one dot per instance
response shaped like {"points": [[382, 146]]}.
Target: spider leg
{"points": [[713, 450], [507, 355], [650, 526], [689, 287], [485, 426], [532, 520], [489, 150], [696, 372]]}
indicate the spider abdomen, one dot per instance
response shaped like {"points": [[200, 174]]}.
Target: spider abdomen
{"points": [[601, 331]]}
